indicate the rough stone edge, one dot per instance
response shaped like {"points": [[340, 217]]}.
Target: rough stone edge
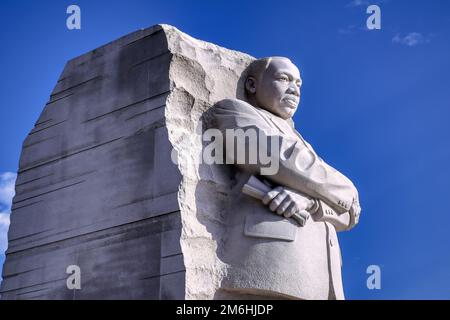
{"points": [[184, 107]]}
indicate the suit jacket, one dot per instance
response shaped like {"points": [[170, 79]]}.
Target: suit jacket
{"points": [[271, 255]]}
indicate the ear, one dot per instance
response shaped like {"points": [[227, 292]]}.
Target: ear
{"points": [[250, 85]]}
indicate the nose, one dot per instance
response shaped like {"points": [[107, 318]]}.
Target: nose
{"points": [[293, 89]]}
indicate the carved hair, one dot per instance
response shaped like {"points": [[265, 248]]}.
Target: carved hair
{"points": [[257, 67]]}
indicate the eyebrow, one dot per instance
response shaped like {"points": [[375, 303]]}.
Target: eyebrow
{"points": [[287, 73]]}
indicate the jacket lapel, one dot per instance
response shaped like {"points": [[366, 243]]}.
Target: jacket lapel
{"points": [[283, 126]]}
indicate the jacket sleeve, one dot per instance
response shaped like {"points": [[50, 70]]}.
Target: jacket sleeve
{"points": [[298, 167]]}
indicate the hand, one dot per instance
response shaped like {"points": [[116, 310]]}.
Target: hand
{"points": [[287, 202], [355, 211]]}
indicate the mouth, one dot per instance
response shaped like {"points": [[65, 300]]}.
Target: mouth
{"points": [[292, 101]]}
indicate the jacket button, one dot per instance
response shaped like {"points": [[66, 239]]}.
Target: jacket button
{"points": [[331, 243]]}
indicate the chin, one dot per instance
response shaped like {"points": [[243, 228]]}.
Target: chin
{"points": [[287, 112]]}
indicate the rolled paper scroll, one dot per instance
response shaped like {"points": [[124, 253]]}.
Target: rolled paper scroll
{"points": [[257, 189]]}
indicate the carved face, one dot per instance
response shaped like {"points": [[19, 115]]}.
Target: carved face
{"points": [[278, 89]]}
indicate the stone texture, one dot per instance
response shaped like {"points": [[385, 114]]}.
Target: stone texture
{"points": [[201, 74], [96, 185]]}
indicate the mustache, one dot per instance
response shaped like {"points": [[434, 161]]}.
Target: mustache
{"points": [[292, 97]]}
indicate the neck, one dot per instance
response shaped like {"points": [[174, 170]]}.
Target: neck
{"points": [[251, 100]]}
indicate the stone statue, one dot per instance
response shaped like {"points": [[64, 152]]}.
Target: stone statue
{"points": [[110, 180], [268, 253]]}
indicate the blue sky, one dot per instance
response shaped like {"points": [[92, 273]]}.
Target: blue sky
{"points": [[375, 104]]}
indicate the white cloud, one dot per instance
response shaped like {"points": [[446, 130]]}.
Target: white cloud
{"points": [[366, 3], [350, 29], [358, 3], [4, 219], [4, 226], [411, 39], [7, 190], [7, 183]]}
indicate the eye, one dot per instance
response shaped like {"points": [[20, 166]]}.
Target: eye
{"points": [[283, 78]]}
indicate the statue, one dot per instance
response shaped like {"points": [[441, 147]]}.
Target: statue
{"points": [[281, 227]]}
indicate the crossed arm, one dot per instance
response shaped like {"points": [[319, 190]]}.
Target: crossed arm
{"points": [[285, 202], [300, 170]]}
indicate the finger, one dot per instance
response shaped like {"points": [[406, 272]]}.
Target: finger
{"points": [[287, 201], [277, 201], [304, 204], [301, 217], [271, 194], [291, 210], [310, 204]]}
